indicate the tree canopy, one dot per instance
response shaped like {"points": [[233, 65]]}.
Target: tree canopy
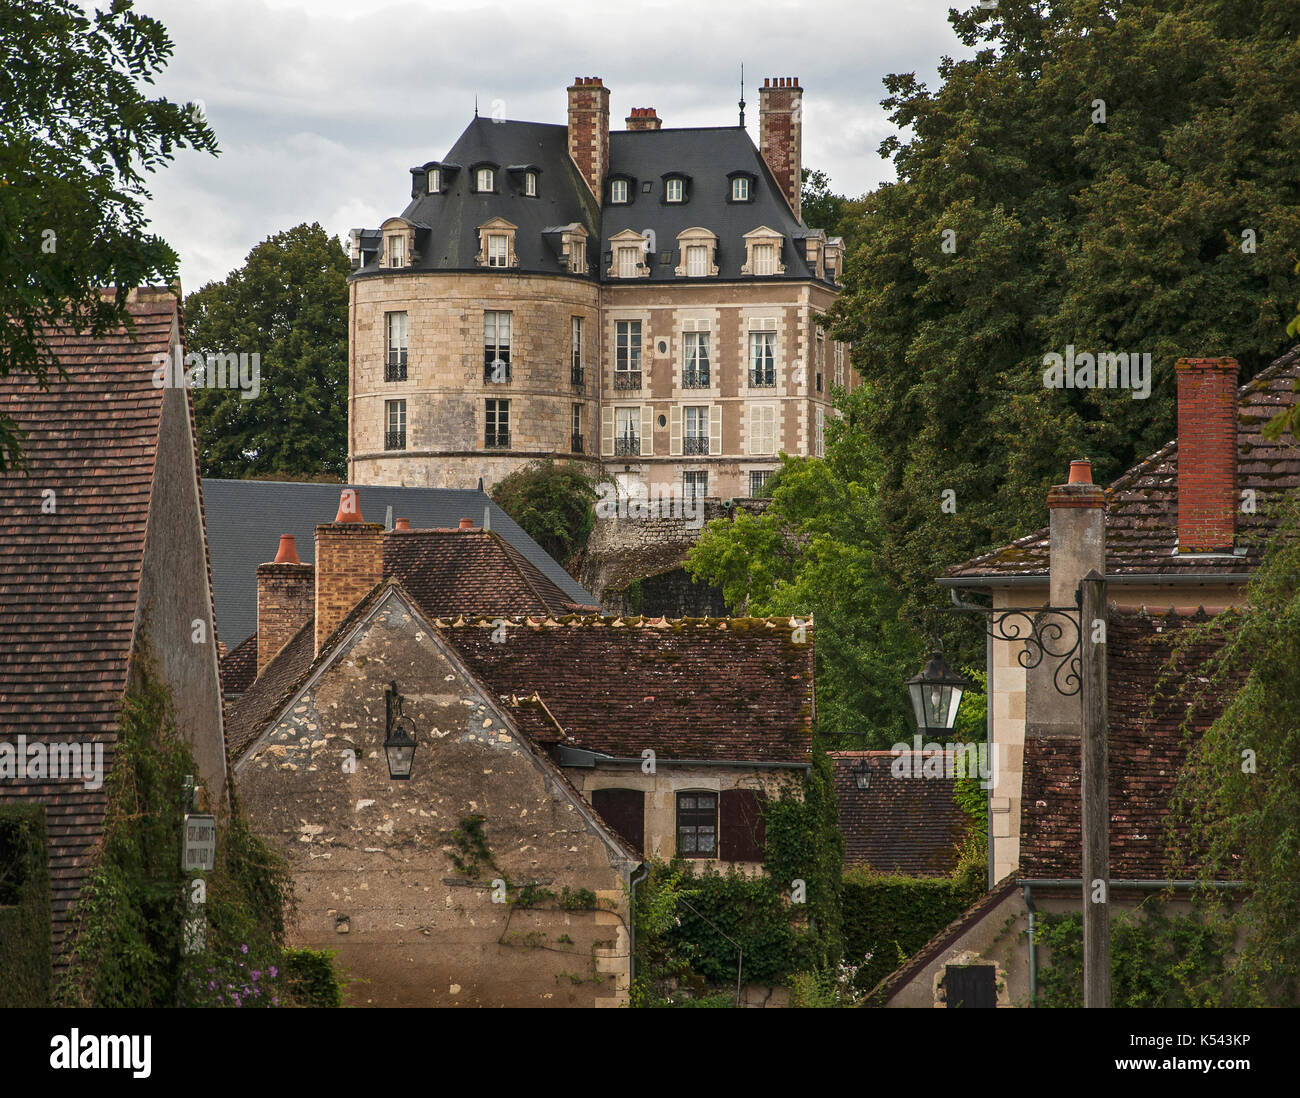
{"points": [[553, 502], [77, 140]]}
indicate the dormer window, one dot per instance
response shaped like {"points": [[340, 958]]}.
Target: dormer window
{"points": [[763, 252], [628, 256], [395, 246], [699, 253], [574, 244], [498, 249], [497, 244], [398, 243], [530, 184], [434, 181], [484, 180], [618, 192], [674, 191], [740, 189]]}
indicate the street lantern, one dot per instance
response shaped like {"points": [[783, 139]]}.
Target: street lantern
{"points": [[862, 773], [399, 740], [936, 693]]}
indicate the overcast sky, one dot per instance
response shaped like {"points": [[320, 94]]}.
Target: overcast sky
{"points": [[320, 108]]}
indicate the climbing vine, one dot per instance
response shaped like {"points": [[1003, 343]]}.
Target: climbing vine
{"points": [[25, 957]]}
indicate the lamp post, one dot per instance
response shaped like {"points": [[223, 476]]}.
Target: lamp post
{"points": [[399, 736], [936, 694]]}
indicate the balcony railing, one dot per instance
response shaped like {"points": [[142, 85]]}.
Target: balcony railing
{"points": [[395, 366], [696, 379], [497, 371], [627, 379], [576, 443], [576, 376], [762, 378], [497, 440], [627, 446], [394, 440], [695, 444]]}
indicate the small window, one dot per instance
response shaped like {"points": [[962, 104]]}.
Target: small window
{"points": [[697, 825], [498, 250], [483, 180], [695, 431], [496, 346], [762, 359], [627, 428], [697, 260], [575, 347], [395, 360], [618, 192], [497, 436], [764, 259], [395, 434], [695, 486], [758, 478], [530, 184], [627, 345], [740, 189], [695, 368], [397, 250], [629, 259], [576, 441], [675, 191], [434, 181]]}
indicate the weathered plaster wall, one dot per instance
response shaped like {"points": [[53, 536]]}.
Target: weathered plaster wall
{"points": [[371, 856]]}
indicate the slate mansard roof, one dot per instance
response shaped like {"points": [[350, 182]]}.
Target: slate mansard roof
{"points": [[446, 224]]}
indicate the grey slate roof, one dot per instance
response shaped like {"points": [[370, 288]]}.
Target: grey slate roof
{"points": [[447, 223], [247, 517]]}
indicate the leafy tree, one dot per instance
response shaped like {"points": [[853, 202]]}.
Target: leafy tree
{"points": [[552, 501], [288, 303], [77, 138], [815, 550], [1098, 166], [835, 214]]}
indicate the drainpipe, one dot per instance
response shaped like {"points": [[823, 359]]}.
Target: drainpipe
{"points": [[1033, 950], [639, 874], [988, 740]]}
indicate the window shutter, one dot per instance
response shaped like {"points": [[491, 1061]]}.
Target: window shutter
{"points": [[773, 435], [624, 811], [715, 429], [674, 430], [647, 430], [742, 832], [607, 431]]}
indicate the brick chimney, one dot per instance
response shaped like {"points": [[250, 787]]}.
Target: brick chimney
{"points": [[780, 117], [349, 562], [589, 129], [286, 598], [644, 118], [1207, 453]]}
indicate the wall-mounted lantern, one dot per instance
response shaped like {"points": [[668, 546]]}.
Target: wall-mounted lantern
{"points": [[399, 737]]}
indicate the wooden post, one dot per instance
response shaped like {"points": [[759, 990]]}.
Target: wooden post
{"points": [[1095, 790]]}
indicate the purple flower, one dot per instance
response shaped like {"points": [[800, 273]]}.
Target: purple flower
{"points": [[273, 972], [257, 975], [243, 949]]}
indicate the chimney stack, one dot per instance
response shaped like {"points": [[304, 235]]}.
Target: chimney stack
{"points": [[286, 595], [1207, 454], [644, 118], [402, 524], [467, 524], [349, 562], [589, 130], [780, 117]]}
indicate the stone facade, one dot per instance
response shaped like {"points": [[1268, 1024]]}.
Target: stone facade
{"points": [[373, 858]]}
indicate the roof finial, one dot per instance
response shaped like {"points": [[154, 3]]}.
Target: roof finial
{"points": [[742, 95], [476, 106]]}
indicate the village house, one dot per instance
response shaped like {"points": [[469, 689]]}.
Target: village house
{"points": [[103, 556], [554, 752], [1177, 538], [646, 296]]}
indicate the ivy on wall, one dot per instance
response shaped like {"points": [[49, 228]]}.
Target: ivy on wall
{"points": [[25, 940]]}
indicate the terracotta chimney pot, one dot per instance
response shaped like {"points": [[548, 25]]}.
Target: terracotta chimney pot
{"points": [[288, 552]]}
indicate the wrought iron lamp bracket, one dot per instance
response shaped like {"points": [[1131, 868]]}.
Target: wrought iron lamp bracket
{"points": [[1047, 631]]}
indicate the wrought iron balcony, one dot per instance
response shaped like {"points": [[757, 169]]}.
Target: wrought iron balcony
{"points": [[576, 443], [762, 378], [395, 366], [497, 440], [696, 379], [627, 446], [695, 444], [497, 371], [627, 379], [576, 375], [394, 440]]}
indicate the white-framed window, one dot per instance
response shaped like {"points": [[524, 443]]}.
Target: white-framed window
{"points": [[762, 358], [697, 261], [530, 184], [628, 261], [627, 432], [695, 424], [820, 450], [618, 192], [575, 347], [674, 190], [761, 422], [395, 428], [496, 346], [498, 250], [758, 478], [839, 363], [695, 362], [740, 189], [764, 259], [433, 181], [396, 250], [395, 337], [627, 346], [695, 485], [497, 419], [483, 179]]}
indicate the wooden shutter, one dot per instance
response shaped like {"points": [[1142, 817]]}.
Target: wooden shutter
{"points": [[624, 811], [674, 430], [742, 832], [715, 429], [647, 430], [607, 431]]}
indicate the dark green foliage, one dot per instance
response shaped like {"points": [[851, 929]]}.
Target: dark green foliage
{"points": [[77, 139], [1156, 960], [26, 966], [1120, 236], [749, 910], [888, 918], [470, 852], [553, 502], [289, 304], [310, 979]]}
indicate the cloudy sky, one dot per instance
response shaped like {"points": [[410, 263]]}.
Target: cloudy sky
{"points": [[320, 108]]}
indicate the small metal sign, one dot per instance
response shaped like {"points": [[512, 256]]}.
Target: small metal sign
{"points": [[200, 843]]}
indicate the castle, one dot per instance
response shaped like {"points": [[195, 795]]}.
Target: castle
{"points": [[644, 298]]}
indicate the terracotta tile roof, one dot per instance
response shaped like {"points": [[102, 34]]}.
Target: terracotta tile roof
{"points": [[470, 572], [899, 824], [1142, 505], [69, 580], [719, 688], [239, 668], [1146, 752]]}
